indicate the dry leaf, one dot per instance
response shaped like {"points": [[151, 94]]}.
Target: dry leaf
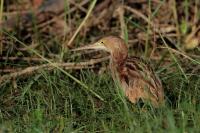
{"points": [[191, 43]]}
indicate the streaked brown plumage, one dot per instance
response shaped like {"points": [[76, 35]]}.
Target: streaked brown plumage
{"points": [[137, 79]]}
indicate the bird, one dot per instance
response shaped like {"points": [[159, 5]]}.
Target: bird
{"points": [[136, 77]]}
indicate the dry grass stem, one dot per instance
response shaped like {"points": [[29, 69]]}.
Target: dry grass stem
{"points": [[120, 12], [51, 66], [69, 44]]}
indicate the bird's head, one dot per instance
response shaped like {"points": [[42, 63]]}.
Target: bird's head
{"points": [[114, 45]]}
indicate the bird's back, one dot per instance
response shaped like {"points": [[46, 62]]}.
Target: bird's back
{"points": [[139, 81]]}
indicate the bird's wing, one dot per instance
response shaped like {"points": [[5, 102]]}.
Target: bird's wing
{"points": [[139, 74]]}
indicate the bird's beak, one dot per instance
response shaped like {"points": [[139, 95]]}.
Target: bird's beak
{"points": [[96, 46]]}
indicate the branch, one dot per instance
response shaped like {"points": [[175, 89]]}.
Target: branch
{"points": [[51, 66]]}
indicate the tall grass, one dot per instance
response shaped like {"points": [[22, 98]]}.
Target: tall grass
{"points": [[51, 101]]}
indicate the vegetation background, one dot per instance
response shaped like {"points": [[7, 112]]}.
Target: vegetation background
{"points": [[45, 87]]}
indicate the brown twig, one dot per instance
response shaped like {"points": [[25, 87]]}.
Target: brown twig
{"points": [[120, 11], [8, 70], [79, 6], [51, 66], [28, 59], [166, 29], [182, 54], [139, 14]]}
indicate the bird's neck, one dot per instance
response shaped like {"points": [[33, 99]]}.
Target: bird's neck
{"points": [[117, 67], [118, 60], [119, 56]]}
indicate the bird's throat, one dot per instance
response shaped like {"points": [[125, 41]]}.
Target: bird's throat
{"points": [[118, 59], [117, 64]]}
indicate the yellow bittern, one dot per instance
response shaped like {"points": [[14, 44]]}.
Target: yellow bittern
{"points": [[136, 76]]}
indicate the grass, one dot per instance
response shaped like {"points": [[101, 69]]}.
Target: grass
{"points": [[51, 101]]}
